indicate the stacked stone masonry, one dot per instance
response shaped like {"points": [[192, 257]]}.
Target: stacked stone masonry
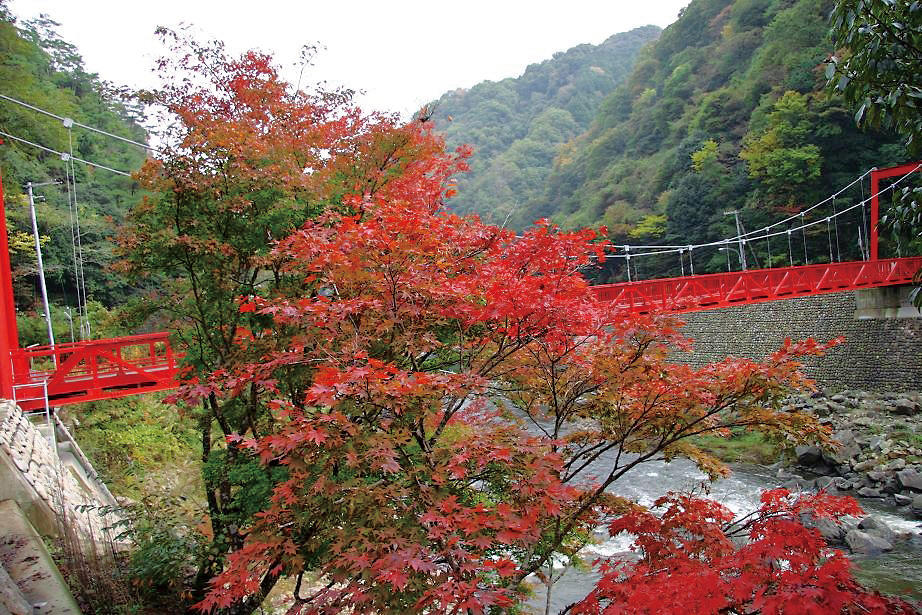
{"points": [[878, 354], [39, 466]]}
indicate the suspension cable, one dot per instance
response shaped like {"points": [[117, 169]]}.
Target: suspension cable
{"points": [[64, 154], [768, 242], [790, 249], [803, 230], [76, 123], [73, 238], [666, 249], [864, 255], [866, 250]]}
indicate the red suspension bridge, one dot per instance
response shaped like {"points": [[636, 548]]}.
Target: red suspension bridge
{"points": [[60, 374]]}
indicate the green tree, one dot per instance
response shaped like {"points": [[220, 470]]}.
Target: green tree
{"points": [[880, 66], [705, 160], [780, 155], [880, 70], [40, 68]]}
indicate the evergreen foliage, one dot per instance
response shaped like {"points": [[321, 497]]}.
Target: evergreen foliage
{"points": [[518, 125], [880, 68], [40, 68]]}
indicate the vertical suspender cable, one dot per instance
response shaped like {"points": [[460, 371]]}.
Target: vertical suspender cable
{"points": [[790, 249], [691, 261], [865, 246], [835, 222], [76, 245], [768, 241], [73, 237], [829, 238], [803, 231]]}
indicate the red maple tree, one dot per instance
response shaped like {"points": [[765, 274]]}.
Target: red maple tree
{"points": [[246, 158], [440, 405], [691, 562], [440, 388]]}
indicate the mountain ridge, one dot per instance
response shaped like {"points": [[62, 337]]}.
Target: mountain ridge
{"points": [[517, 124]]}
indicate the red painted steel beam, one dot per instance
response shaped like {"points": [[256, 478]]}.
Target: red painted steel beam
{"points": [[88, 371], [719, 290]]}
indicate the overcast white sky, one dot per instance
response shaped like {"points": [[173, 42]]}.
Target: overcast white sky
{"points": [[401, 53]]}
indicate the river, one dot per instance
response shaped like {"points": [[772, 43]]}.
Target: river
{"points": [[897, 572]]}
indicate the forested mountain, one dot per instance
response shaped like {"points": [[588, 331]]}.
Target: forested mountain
{"points": [[37, 67], [727, 109], [517, 125]]}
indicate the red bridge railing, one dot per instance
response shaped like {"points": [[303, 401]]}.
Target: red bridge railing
{"points": [[717, 290], [93, 370]]}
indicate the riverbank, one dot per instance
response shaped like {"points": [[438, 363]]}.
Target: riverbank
{"points": [[878, 461], [880, 447]]}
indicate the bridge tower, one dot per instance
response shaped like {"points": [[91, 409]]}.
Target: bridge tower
{"points": [[9, 334]]}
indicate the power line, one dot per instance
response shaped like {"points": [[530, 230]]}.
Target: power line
{"points": [[71, 122], [64, 155]]}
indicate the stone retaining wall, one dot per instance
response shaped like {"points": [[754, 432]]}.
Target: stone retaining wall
{"points": [[878, 355], [32, 474]]}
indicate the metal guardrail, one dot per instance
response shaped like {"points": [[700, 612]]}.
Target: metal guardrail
{"points": [[94, 370], [44, 406]]}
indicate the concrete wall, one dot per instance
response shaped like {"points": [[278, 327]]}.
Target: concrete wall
{"points": [[879, 354]]}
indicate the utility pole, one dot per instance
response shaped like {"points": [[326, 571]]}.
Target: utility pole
{"points": [[41, 266], [739, 233]]}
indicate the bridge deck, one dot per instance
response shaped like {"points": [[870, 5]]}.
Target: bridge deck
{"points": [[719, 290]]}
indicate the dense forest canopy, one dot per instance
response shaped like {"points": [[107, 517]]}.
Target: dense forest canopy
{"points": [[742, 86], [727, 109], [516, 126], [38, 67]]}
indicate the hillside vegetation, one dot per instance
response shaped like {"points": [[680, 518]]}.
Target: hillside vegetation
{"points": [[517, 125], [726, 110], [38, 67]]}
